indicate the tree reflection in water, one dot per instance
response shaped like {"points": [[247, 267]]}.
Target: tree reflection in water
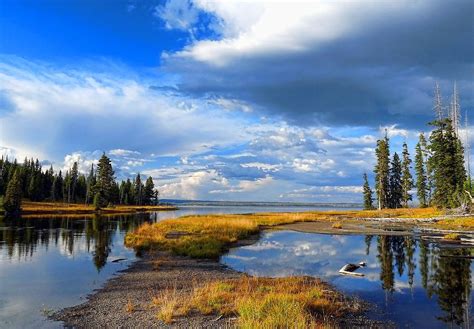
{"points": [[22, 237], [445, 272]]}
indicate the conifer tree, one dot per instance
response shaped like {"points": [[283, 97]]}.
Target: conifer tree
{"points": [[149, 190], [382, 172], [138, 190], [421, 179], [105, 179], [12, 199], [396, 188], [91, 181], [368, 198], [447, 163], [407, 178]]}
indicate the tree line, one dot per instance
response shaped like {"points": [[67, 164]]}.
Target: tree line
{"points": [[99, 187], [441, 178]]}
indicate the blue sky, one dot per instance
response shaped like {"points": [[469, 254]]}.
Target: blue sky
{"points": [[229, 100]]}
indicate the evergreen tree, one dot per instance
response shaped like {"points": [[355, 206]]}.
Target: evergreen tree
{"points": [[407, 178], [149, 191], [105, 179], [12, 199], [91, 181], [138, 190], [447, 164], [368, 198], [382, 172], [421, 178], [396, 188], [74, 176]]}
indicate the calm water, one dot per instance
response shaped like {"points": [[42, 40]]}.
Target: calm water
{"points": [[47, 264], [413, 283]]}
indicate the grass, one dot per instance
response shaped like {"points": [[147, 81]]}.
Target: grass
{"points": [[41, 208], [452, 236], [129, 307], [292, 302], [337, 225], [210, 235], [456, 223]]}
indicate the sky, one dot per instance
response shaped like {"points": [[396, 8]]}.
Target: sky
{"points": [[229, 100]]}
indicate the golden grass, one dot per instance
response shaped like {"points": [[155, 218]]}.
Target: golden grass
{"points": [[456, 223], [337, 225], [292, 302], [400, 213], [38, 208], [129, 307], [452, 236]]}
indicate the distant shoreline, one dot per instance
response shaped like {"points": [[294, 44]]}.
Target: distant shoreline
{"points": [[33, 209]]}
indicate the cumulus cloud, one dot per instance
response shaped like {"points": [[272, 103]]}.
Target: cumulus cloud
{"points": [[61, 110], [338, 62]]}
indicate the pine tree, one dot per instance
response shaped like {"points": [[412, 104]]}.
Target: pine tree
{"points": [[91, 181], [382, 172], [368, 198], [149, 190], [447, 164], [407, 178], [74, 176], [105, 179], [421, 179], [396, 189], [12, 199], [138, 190]]}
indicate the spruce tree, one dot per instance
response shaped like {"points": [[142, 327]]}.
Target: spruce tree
{"points": [[12, 199], [421, 179], [138, 190], [368, 198], [91, 181], [149, 191], [447, 164], [105, 179], [396, 188], [407, 178], [382, 172]]}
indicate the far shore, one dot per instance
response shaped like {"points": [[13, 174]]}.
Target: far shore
{"points": [[36, 209]]}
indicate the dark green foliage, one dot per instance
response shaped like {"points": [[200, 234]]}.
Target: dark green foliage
{"points": [[382, 173], [407, 178], [368, 198], [38, 185], [149, 191], [447, 165], [421, 173], [138, 190], [12, 199], [396, 188], [105, 178], [98, 202]]}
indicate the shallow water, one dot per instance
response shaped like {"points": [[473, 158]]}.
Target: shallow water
{"points": [[416, 284], [50, 263]]}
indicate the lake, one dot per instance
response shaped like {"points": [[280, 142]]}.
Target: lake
{"points": [[50, 263], [413, 283]]}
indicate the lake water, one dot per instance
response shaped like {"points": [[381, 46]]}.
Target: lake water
{"points": [[415, 284], [50, 263]]}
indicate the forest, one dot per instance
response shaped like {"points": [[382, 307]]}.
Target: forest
{"points": [[28, 180]]}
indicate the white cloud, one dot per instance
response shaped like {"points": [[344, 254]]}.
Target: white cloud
{"points": [[178, 14]]}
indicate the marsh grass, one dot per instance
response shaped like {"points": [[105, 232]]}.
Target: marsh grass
{"points": [[452, 236], [38, 208], [292, 302], [337, 225], [456, 223]]}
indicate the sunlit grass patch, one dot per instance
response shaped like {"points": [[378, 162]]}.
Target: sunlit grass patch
{"points": [[452, 236], [456, 223], [293, 302], [401, 213]]}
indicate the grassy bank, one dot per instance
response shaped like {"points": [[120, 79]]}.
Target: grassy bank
{"points": [[297, 302], [50, 208], [293, 302], [209, 236]]}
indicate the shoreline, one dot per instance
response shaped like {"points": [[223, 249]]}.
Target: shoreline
{"points": [[126, 299], [155, 272]]}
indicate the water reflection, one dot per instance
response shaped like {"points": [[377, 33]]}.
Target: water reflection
{"points": [[414, 282], [20, 238]]}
